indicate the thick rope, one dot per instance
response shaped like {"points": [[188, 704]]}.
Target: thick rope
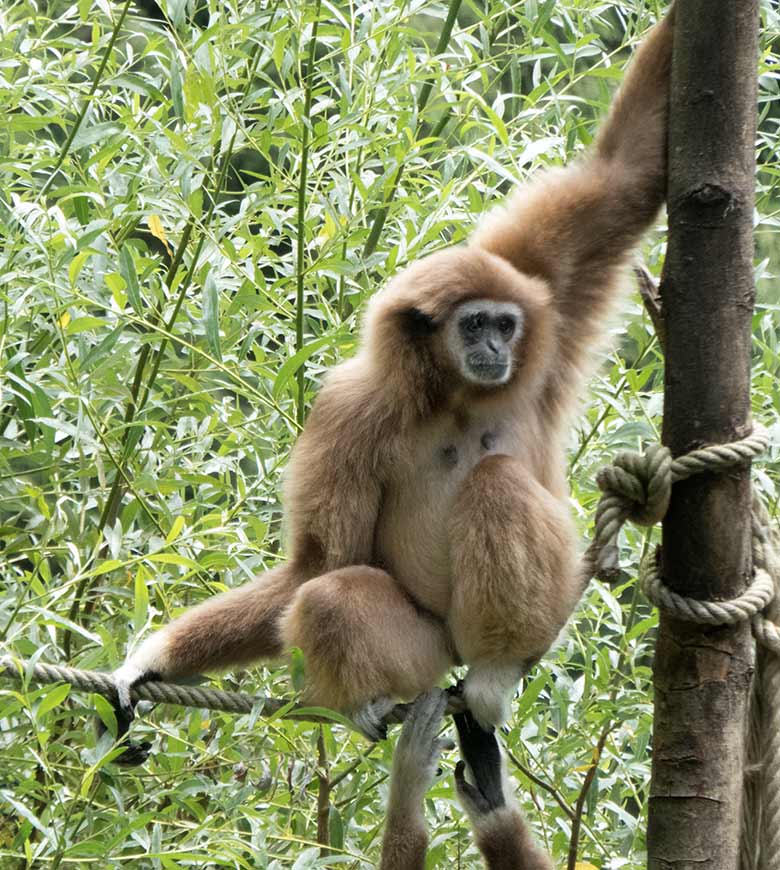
{"points": [[746, 606], [766, 744], [638, 487], [185, 696]]}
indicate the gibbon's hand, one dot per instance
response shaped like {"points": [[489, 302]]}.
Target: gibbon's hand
{"points": [[482, 754], [418, 749], [417, 752]]}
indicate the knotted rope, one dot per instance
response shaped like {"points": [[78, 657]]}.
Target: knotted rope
{"points": [[637, 487]]}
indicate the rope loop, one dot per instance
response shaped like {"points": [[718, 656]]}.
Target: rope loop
{"points": [[638, 487], [744, 607]]}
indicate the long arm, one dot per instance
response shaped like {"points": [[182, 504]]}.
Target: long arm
{"points": [[574, 227], [405, 840], [500, 831]]}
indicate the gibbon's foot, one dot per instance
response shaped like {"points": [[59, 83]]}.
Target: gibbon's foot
{"points": [[370, 718], [482, 755], [488, 691], [126, 678]]}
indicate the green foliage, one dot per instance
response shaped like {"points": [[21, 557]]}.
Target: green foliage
{"points": [[193, 218]]}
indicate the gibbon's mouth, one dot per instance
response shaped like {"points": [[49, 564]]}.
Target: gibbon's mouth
{"points": [[489, 372]]}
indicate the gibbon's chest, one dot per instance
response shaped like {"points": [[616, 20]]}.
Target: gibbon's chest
{"points": [[412, 531]]}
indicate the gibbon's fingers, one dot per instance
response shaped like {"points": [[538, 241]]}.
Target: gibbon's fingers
{"points": [[417, 752], [418, 749], [482, 754], [126, 678], [500, 831]]}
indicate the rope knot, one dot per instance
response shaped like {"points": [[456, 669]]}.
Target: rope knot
{"points": [[643, 482]]}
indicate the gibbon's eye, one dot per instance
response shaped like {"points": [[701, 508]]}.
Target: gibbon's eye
{"points": [[506, 326], [475, 323]]}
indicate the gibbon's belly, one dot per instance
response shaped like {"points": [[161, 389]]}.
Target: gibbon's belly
{"points": [[412, 529]]}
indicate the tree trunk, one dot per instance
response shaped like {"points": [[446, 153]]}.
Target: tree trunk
{"points": [[702, 675]]}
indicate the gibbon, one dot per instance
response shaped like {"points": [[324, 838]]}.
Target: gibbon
{"points": [[426, 497], [500, 831]]}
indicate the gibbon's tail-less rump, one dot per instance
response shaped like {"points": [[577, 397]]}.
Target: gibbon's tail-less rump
{"points": [[426, 496]]}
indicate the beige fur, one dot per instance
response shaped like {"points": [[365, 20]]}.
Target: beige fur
{"points": [[399, 562]]}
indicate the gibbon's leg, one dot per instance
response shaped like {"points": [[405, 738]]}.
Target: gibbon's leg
{"points": [[364, 639], [500, 830], [417, 752], [236, 627], [514, 579]]}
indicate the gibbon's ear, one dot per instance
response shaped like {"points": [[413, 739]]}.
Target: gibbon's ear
{"points": [[416, 323]]}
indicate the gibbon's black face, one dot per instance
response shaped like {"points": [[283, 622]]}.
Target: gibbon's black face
{"points": [[480, 336]]}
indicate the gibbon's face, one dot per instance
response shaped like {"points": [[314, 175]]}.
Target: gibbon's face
{"points": [[481, 336]]}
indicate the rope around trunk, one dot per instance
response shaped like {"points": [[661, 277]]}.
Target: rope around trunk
{"points": [[638, 487]]}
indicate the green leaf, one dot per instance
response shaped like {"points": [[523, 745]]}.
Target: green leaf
{"points": [[141, 599], [105, 710], [176, 527], [291, 366], [211, 314], [54, 697], [297, 669], [84, 324], [128, 272]]}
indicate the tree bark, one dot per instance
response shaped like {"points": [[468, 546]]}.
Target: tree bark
{"points": [[701, 674]]}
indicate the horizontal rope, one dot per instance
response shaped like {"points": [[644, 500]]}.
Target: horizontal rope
{"points": [[174, 693]]}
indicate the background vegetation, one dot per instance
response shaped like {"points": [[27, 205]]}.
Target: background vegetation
{"points": [[193, 215]]}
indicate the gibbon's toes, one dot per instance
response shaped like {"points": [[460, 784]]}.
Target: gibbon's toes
{"points": [[126, 678], [370, 719]]}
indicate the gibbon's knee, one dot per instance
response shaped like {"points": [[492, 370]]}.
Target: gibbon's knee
{"points": [[514, 565], [362, 638]]}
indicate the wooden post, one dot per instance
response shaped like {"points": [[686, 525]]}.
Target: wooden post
{"points": [[702, 675]]}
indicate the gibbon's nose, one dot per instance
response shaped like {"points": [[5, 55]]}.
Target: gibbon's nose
{"points": [[492, 345]]}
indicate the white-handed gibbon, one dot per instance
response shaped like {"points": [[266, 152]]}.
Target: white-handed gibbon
{"points": [[500, 831], [426, 498]]}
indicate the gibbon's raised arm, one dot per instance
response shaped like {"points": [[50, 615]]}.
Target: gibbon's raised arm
{"points": [[500, 831], [573, 227]]}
